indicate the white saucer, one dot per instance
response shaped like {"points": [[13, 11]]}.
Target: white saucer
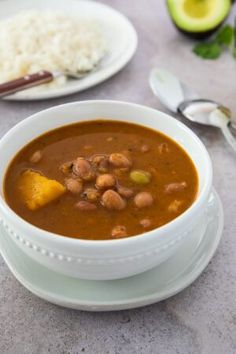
{"points": [[119, 31], [155, 285]]}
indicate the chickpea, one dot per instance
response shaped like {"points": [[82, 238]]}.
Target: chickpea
{"points": [[85, 206], [75, 186], [119, 231], [175, 187], [125, 192], [105, 181], [119, 160], [140, 177], [112, 200], [83, 169], [143, 199], [36, 156]]}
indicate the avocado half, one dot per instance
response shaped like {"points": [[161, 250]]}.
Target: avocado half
{"points": [[198, 18]]}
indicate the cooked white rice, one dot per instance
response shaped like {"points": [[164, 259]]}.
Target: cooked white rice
{"points": [[34, 40]]}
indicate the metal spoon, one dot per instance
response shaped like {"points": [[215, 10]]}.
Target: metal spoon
{"points": [[179, 98]]}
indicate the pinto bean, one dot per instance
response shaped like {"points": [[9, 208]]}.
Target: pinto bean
{"points": [[66, 168], [105, 181], [119, 160], [83, 169], [103, 166], [125, 192], [100, 162], [145, 223], [143, 199], [85, 206], [96, 159], [119, 231], [75, 186], [119, 172], [91, 194], [36, 156], [175, 187], [112, 200]]}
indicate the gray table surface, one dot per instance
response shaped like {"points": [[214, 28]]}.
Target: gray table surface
{"points": [[202, 318]]}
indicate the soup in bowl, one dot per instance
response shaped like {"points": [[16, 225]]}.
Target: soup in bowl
{"points": [[101, 180], [102, 189]]}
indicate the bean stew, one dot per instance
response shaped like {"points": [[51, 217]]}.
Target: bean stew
{"points": [[101, 180]]}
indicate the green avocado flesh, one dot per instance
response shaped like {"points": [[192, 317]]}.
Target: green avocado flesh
{"points": [[198, 16]]}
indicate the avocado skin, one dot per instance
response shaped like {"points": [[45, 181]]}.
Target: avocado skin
{"points": [[203, 34], [199, 35]]}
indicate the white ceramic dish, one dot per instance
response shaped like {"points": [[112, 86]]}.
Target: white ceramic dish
{"points": [[120, 33], [115, 258], [155, 285]]}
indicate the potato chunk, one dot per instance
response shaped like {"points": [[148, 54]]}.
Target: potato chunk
{"points": [[37, 190]]}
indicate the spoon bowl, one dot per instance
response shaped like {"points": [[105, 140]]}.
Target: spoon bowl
{"points": [[200, 111]]}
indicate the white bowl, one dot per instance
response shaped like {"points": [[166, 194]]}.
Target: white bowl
{"points": [[113, 259]]}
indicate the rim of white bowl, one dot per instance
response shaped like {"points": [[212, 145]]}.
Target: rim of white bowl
{"points": [[167, 228]]}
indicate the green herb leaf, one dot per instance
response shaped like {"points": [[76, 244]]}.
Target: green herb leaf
{"points": [[225, 35], [211, 50]]}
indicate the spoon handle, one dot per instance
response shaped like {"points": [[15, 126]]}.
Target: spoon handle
{"points": [[229, 136], [25, 82], [220, 119]]}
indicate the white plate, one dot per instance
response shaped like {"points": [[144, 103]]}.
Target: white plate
{"points": [[155, 285], [121, 36]]}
